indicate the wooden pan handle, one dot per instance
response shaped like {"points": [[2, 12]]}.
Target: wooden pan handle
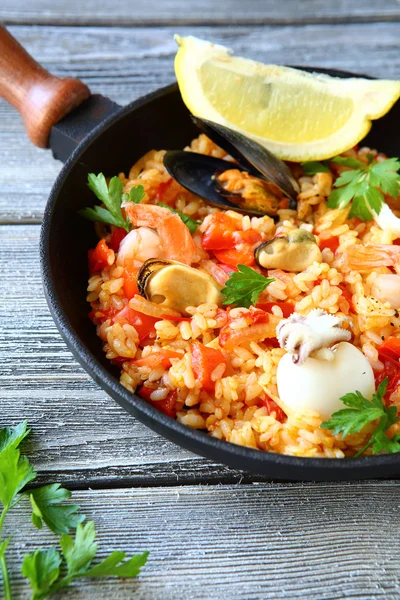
{"points": [[40, 98]]}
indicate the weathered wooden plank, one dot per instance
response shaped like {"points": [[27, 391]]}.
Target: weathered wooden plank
{"points": [[126, 63], [258, 542], [205, 12], [79, 434]]}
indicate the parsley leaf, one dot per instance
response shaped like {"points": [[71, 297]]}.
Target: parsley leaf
{"points": [[113, 565], [313, 166], [47, 505], [42, 569], [112, 197], [15, 471], [360, 413], [365, 185], [80, 552], [245, 286], [190, 223]]}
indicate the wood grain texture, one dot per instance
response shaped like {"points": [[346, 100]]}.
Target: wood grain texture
{"points": [[252, 542], [127, 63], [150, 12]]}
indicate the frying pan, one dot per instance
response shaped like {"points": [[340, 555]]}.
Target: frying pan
{"points": [[93, 134]]}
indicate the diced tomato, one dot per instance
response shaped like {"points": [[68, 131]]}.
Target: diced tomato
{"points": [[130, 281], [99, 316], [219, 233], [389, 355], [286, 307], [162, 188], [332, 243], [167, 191], [272, 406], [250, 236], [234, 257], [204, 361], [117, 235], [347, 295], [100, 257], [166, 406], [163, 357], [143, 324]]}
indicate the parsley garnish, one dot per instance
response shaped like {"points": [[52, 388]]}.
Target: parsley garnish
{"points": [[245, 286], [190, 223], [365, 185], [313, 167], [361, 412], [50, 570], [112, 197]]}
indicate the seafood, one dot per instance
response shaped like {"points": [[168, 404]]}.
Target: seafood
{"points": [[259, 190], [176, 241], [175, 285], [294, 252]]}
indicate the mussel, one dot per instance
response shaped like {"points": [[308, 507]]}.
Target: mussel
{"points": [[175, 285], [294, 252], [254, 185]]}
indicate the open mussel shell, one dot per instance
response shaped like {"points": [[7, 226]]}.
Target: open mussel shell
{"points": [[253, 157], [196, 173]]}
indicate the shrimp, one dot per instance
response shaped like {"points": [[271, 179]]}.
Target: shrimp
{"points": [[372, 256], [176, 240], [386, 288], [140, 244]]}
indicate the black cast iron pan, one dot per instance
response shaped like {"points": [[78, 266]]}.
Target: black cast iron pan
{"points": [[100, 136]]}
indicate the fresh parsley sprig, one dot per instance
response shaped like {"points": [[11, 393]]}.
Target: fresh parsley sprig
{"points": [[244, 287], [112, 197], [365, 186], [48, 570], [360, 413], [190, 223]]}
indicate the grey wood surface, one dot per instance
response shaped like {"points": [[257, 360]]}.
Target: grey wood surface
{"points": [[144, 12], [213, 532], [248, 542]]}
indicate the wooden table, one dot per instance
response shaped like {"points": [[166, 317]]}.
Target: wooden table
{"points": [[213, 532]]}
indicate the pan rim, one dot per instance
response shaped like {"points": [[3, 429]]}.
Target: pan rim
{"points": [[249, 459]]}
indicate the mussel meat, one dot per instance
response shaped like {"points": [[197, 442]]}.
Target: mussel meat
{"points": [[256, 187], [176, 286], [294, 252]]}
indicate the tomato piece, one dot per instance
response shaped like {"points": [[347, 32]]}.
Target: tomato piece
{"points": [[389, 355], [234, 257], [100, 257], [166, 406], [143, 324], [347, 295], [154, 359], [332, 243], [219, 233], [390, 349], [99, 316], [130, 281], [174, 318], [117, 235], [204, 361], [271, 407], [250, 236], [286, 307], [162, 189]]}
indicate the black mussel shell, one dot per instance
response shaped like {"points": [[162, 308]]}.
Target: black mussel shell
{"points": [[253, 157], [196, 173]]}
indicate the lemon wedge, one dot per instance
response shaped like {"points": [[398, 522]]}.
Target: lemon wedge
{"points": [[297, 115]]}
